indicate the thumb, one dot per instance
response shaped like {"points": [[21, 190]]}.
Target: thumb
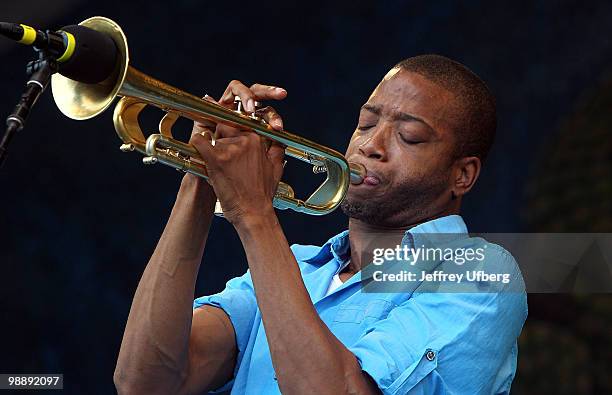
{"points": [[276, 154]]}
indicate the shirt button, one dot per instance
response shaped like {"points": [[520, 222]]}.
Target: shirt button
{"points": [[430, 355]]}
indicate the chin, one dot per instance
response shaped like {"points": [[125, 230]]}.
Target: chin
{"points": [[367, 210]]}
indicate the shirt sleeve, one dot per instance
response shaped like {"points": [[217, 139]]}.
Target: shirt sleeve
{"points": [[239, 303], [438, 343]]}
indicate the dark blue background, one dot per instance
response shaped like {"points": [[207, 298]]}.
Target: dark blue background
{"points": [[79, 219]]}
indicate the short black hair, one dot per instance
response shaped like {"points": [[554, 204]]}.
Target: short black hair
{"points": [[477, 119]]}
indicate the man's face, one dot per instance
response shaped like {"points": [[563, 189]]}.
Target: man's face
{"points": [[404, 138]]}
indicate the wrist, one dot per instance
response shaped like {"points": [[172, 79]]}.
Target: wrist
{"points": [[262, 219], [196, 189], [195, 183]]}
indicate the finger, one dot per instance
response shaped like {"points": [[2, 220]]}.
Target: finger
{"points": [[276, 154], [221, 130], [232, 140], [210, 99], [268, 92], [225, 131], [206, 133], [202, 143], [237, 88], [204, 125], [231, 148], [270, 115]]}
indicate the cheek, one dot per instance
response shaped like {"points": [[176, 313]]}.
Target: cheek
{"points": [[408, 173], [413, 169], [353, 144]]}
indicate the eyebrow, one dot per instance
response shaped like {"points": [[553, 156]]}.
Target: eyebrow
{"points": [[400, 116]]}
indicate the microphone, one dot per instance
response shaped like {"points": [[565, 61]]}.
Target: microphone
{"points": [[82, 54]]}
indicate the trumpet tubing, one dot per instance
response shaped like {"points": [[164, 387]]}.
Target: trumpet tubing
{"points": [[83, 101]]}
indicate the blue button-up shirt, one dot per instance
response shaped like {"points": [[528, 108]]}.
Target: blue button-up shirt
{"points": [[408, 342]]}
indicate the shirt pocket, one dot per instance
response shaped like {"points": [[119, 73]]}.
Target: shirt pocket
{"points": [[367, 312]]}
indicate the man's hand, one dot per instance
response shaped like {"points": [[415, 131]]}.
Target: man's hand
{"points": [[243, 171]]}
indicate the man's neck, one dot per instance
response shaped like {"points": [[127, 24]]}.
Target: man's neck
{"points": [[363, 236]]}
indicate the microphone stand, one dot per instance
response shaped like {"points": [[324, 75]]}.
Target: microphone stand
{"points": [[39, 72]]}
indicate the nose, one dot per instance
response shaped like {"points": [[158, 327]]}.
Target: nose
{"points": [[374, 145]]}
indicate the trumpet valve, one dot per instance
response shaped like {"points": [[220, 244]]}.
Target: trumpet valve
{"points": [[240, 108], [238, 104], [254, 115]]}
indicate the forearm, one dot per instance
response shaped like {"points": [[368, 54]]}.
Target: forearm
{"points": [[307, 357], [154, 350]]}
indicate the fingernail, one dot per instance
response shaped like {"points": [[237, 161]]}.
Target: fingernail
{"points": [[250, 106], [280, 90]]}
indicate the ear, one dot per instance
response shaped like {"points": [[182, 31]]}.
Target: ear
{"points": [[465, 174]]}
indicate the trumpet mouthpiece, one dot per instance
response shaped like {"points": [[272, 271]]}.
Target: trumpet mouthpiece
{"points": [[358, 173]]}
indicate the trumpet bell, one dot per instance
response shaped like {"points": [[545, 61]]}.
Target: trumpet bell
{"points": [[80, 101]]}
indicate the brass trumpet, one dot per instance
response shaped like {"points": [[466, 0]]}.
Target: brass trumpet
{"points": [[83, 101]]}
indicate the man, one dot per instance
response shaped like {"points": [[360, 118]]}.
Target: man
{"points": [[285, 326]]}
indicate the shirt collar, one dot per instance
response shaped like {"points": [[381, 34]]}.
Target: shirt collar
{"points": [[337, 247], [435, 232], [445, 229]]}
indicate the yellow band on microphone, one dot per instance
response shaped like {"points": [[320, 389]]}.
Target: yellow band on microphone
{"points": [[69, 48], [29, 35]]}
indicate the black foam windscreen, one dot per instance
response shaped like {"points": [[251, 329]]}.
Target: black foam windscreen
{"points": [[94, 58]]}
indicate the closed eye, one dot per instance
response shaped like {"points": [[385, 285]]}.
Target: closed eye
{"points": [[366, 127], [411, 141]]}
